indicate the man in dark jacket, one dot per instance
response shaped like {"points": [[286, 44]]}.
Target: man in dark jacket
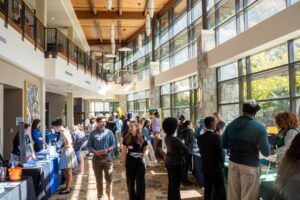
{"points": [[212, 161], [187, 136], [245, 137]]}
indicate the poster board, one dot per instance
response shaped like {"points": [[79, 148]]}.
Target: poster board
{"points": [[31, 102]]}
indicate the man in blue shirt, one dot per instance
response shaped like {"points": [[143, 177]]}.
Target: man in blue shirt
{"points": [[101, 143]]}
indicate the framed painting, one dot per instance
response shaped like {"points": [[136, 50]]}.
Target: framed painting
{"points": [[31, 102]]}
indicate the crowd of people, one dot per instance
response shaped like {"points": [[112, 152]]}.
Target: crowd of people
{"points": [[139, 145]]}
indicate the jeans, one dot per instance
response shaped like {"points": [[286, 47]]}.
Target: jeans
{"points": [[186, 167]]}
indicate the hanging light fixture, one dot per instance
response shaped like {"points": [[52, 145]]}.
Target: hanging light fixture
{"points": [[113, 48], [108, 4], [112, 34], [140, 42], [151, 8], [148, 25]]}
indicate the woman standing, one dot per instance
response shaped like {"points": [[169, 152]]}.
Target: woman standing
{"points": [[287, 124], [221, 124], [288, 181], [37, 135], [174, 160], [134, 148], [148, 138], [67, 157]]}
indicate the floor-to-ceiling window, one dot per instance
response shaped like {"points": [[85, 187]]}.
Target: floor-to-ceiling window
{"points": [[138, 103], [271, 77], [97, 108]]}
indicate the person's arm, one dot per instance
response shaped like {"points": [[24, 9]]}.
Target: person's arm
{"points": [[123, 159], [290, 135], [219, 149], [264, 145], [225, 139], [90, 144], [182, 147], [111, 141]]}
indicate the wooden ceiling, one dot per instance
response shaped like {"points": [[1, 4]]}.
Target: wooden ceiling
{"points": [[128, 17]]}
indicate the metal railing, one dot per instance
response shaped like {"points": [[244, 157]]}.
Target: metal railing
{"points": [[50, 40]]}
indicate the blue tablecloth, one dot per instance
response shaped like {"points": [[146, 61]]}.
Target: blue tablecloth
{"points": [[197, 168], [46, 177]]}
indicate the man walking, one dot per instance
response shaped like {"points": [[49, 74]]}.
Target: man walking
{"points": [[245, 137], [101, 143], [212, 161]]}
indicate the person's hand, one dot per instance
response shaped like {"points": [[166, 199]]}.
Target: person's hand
{"points": [[33, 156]]}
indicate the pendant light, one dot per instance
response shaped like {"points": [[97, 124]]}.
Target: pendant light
{"points": [[148, 25], [151, 8], [140, 42], [108, 4], [112, 33], [113, 48]]}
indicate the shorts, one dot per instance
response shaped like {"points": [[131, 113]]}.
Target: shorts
{"points": [[79, 154]]}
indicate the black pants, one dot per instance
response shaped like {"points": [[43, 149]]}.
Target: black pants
{"points": [[38, 146], [135, 175], [174, 176], [214, 187], [186, 167]]}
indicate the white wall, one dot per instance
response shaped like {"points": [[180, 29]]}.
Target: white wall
{"points": [[182, 71], [20, 53], [1, 117]]}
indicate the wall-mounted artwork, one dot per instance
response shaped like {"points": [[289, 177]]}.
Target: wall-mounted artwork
{"points": [[31, 102]]}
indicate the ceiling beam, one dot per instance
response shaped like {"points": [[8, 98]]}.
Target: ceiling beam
{"points": [[166, 7], [146, 8], [94, 42], [93, 5], [86, 15], [120, 7], [135, 34]]}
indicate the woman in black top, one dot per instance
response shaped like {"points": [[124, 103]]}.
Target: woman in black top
{"points": [[134, 148], [174, 160]]}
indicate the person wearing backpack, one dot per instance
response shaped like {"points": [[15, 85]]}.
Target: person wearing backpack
{"points": [[287, 124]]}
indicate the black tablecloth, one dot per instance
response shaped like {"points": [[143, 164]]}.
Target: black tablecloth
{"points": [[41, 180], [24, 191]]}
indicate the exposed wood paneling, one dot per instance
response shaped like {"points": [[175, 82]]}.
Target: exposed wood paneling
{"points": [[166, 7], [93, 7], [93, 42], [109, 15]]}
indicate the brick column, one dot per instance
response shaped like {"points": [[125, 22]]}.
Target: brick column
{"points": [[206, 76], [154, 91], [123, 103]]}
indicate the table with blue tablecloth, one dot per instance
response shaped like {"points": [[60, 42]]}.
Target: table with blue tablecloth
{"points": [[45, 175], [18, 190]]}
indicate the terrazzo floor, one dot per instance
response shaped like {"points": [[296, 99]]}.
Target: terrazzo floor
{"points": [[84, 186]]}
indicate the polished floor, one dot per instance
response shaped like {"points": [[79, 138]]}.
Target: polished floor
{"points": [[156, 185]]}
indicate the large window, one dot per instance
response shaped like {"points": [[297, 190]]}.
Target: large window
{"points": [[267, 77], [138, 103], [181, 98], [100, 107]]}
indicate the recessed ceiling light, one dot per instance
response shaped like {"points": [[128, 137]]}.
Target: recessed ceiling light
{"points": [[52, 18]]}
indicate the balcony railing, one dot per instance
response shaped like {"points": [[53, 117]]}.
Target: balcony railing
{"points": [[49, 40]]}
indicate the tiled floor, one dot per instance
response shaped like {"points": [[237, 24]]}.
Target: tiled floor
{"points": [[156, 185]]}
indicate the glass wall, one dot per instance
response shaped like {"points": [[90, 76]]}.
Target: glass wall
{"points": [[231, 17], [97, 108], [138, 103], [272, 77], [180, 98]]}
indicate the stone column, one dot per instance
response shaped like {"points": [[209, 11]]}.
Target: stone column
{"points": [[206, 76], [43, 105], [70, 110], [154, 91], [1, 117], [41, 11]]}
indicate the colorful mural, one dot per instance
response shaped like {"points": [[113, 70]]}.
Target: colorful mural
{"points": [[31, 102]]}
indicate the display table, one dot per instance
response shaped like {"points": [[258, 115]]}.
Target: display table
{"points": [[46, 177], [15, 190], [197, 169]]}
